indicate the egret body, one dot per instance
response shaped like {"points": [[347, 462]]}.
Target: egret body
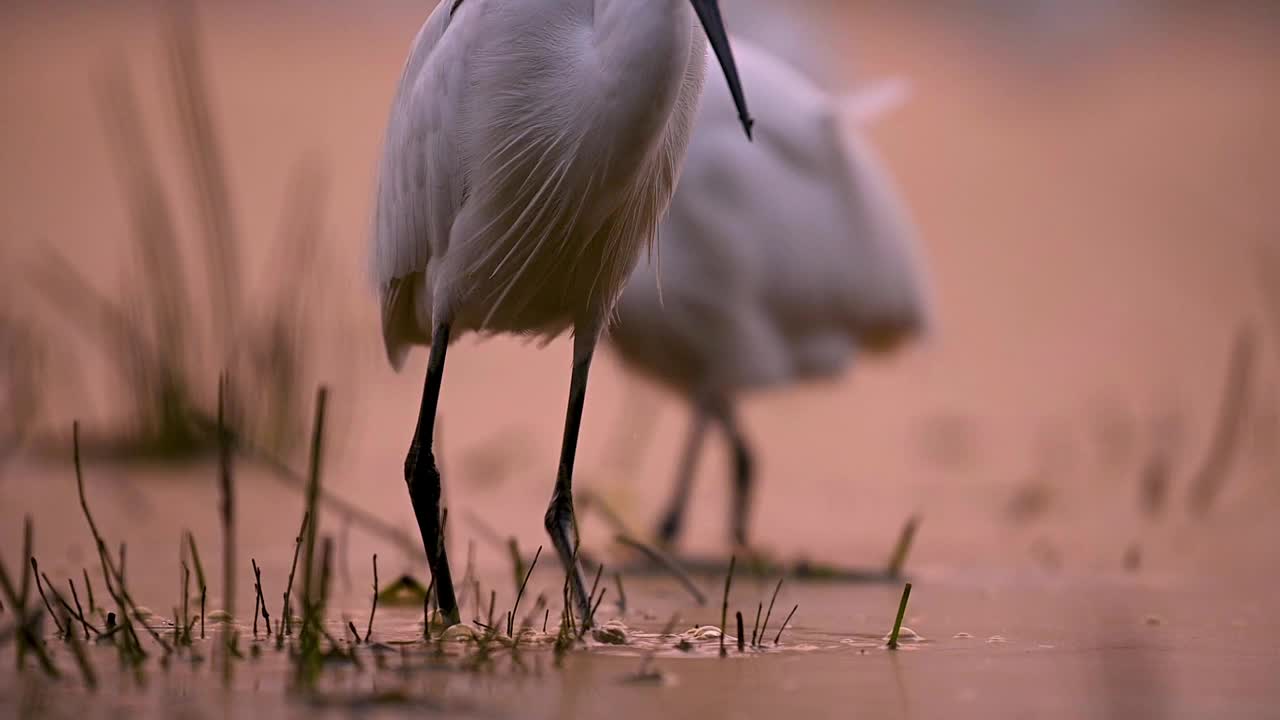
{"points": [[777, 262], [531, 150]]}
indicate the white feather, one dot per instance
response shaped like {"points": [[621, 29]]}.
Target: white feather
{"points": [[780, 258], [532, 148]]}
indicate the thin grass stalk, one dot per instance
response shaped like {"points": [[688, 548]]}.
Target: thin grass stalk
{"points": [[668, 563], [520, 591], [262, 598], [517, 562], [195, 560], [76, 596], [622, 594], [88, 589], [204, 157], [1211, 476], [589, 621], [724, 607], [186, 600], [118, 591], [82, 658], [28, 556], [368, 633], [312, 600], [35, 570], [778, 637], [312, 497], [286, 613], [28, 638], [902, 611], [898, 559], [68, 610], [769, 612], [226, 485], [756, 626]]}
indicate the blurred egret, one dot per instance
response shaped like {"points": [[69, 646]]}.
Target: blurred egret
{"points": [[531, 150], [776, 262]]}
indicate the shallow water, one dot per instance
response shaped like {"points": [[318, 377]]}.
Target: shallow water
{"points": [[1093, 220], [1052, 648]]}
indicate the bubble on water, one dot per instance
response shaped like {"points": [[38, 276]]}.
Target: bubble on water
{"points": [[533, 636], [907, 636], [702, 633], [459, 633], [614, 632]]}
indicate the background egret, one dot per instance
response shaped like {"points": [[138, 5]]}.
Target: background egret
{"points": [[531, 150], [776, 262]]}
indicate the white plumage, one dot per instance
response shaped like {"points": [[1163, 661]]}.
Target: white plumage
{"points": [[777, 262], [531, 150]]}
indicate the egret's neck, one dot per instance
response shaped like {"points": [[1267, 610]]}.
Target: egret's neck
{"points": [[637, 36]]}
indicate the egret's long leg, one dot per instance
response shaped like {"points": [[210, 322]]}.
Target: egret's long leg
{"points": [[673, 519], [560, 521], [743, 474], [423, 478]]}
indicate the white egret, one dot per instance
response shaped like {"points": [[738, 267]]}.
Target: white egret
{"points": [[777, 261], [531, 150]]}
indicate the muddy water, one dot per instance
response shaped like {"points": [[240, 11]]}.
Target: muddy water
{"points": [[1093, 220], [981, 646]]}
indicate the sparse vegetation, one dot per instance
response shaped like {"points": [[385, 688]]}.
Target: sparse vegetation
{"points": [[158, 336]]}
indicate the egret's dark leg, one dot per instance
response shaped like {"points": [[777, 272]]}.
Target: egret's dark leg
{"points": [[673, 519], [423, 478], [559, 519], [743, 474]]}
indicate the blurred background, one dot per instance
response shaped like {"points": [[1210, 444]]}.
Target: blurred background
{"points": [[1095, 182]]}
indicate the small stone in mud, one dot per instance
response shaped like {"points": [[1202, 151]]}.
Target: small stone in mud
{"points": [[962, 636], [613, 632], [996, 640], [1153, 620], [142, 613], [222, 616]]}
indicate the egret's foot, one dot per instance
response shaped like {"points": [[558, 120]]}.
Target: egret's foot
{"points": [[560, 526], [449, 619], [668, 530]]}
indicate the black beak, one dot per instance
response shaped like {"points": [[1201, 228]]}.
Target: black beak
{"points": [[709, 13]]}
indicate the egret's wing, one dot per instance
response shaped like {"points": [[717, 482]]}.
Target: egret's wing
{"points": [[420, 187]]}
